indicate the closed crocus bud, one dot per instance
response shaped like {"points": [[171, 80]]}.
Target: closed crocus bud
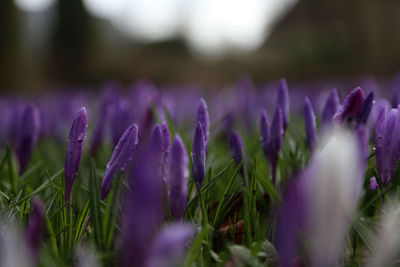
{"points": [[289, 226], [14, 118], [27, 135], [120, 159], [203, 118], [310, 124], [265, 131], [34, 228], [351, 106], [170, 246], [166, 138], [146, 125], [275, 141], [387, 144], [108, 98], [120, 119], [363, 115], [236, 147], [331, 106], [228, 123], [75, 142], [141, 213], [199, 155], [156, 146], [284, 102], [373, 183], [177, 178]]}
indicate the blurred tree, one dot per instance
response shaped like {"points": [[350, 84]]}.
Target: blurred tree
{"points": [[335, 38], [70, 42], [9, 54]]}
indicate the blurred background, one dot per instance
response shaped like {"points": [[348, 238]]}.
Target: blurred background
{"points": [[47, 44]]}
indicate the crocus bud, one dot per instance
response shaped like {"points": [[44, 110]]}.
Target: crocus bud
{"points": [[351, 106], [14, 117], [331, 106], [141, 213], [156, 146], [27, 135], [35, 227], [283, 102], [120, 159], [120, 119], [228, 123], [363, 115], [166, 138], [75, 142], [177, 178], [146, 125], [203, 118], [170, 245], [290, 222], [236, 147], [166, 144], [265, 131], [373, 183], [275, 141], [387, 144], [105, 106], [199, 155], [310, 124]]}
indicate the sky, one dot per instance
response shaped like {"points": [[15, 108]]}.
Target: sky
{"points": [[210, 27]]}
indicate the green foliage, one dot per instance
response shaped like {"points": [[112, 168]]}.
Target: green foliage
{"points": [[234, 212]]}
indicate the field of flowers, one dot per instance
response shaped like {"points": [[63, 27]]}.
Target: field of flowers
{"points": [[177, 176]]}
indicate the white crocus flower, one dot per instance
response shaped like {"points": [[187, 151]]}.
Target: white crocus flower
{"points": [[330, 188]]}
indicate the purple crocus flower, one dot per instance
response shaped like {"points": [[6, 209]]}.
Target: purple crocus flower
{"points": [[120, 119], [275, 141], [203, 118], [156, 146], [177, 178], [13, 121], [363, 115], [283, 102], [290, 224], [108, 98], [351, 106], [387, 143], [236, 146], [35, 227], [75, 142], [373, 183], [27, 135], [146, 125], [120, 159], [310, 124], [245, 86], [331, 106], [166, 144], [142, 212], [265, 131], [228, 123], [170, 245], [199, 155]]}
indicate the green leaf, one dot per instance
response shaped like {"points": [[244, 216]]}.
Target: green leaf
{"points": [[95, 205], [227, 189], [12, 173], [196, 246]]}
